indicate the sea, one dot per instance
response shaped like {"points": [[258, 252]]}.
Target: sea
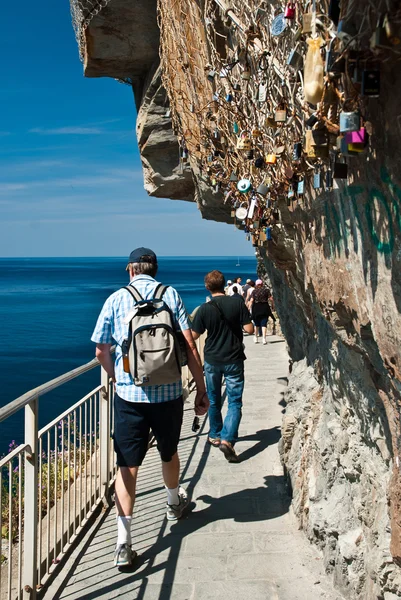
{"points": [[48, 310]]}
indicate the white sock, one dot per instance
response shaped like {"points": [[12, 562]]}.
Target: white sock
{"points": [[172, 496], [124, 530]]}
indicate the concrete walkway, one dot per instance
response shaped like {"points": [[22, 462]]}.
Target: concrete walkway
{"points": [[239, 542]]}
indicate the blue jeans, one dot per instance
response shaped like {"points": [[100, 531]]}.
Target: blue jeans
{"points": [[234, 377]]}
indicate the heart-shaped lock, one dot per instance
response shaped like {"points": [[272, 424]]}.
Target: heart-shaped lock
{"points": [[244, 185]]}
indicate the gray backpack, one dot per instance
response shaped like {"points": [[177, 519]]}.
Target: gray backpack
{"points": [[152, 348]]}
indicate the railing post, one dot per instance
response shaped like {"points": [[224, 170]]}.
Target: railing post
{"points": [[31, 501], [104, 415]]}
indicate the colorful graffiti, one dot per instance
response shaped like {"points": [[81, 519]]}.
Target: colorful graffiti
{"points": [[378, 214]]}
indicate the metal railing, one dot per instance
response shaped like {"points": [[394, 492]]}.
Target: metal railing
{"points": [[52, 483]]}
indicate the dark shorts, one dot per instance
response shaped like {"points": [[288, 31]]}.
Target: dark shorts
{"points": [[261, 321], [133, 422]]}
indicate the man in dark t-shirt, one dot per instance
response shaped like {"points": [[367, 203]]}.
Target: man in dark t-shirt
{"points": [[224, 318]]}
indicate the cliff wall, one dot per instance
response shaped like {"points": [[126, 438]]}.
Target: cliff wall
{"points": [[334, 256]]}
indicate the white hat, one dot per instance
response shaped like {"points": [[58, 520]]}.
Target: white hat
{"points": [[229, 282], [248, 280]]}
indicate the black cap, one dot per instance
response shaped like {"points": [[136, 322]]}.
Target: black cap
{"points": [[140, 255]]}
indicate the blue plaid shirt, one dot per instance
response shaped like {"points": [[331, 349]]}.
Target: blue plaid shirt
{"points": [[111, 326]]}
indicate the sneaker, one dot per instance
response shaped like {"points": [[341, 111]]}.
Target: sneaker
{"points": [[175, 511], [124, 556], [229, 453], [264, 341], [256, 340]]}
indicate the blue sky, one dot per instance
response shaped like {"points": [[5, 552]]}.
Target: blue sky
{"points": [[70, 175]]}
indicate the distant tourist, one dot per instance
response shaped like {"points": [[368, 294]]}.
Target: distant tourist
{"points": [[223, 318], [260, 310], [236, 282], [245, 288], [228, 286], [236, 291], [139, 408], [249, 293]]}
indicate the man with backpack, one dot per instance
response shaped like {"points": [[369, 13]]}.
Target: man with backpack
{"points": [[223, 318], [147, 321]]}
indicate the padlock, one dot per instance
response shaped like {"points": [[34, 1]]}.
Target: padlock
{"points": [[356, 148], [370, 83], [236, 128], [241, 212], [246, 74], [295, 60], [357, 137], [263, 189], [271, 159], [259, 162], [307, 23], [211, 75], [340, 170], [216, 134], [289, 11], [319, 137], [300, 187], [280, 115], [262, 92], [210, 158], [252, 206], [216, 153], [233, 177], [262, 236], [312, 120], [243, 186], [392, 30], [297, 151], [329, 179], [256, 133], [346, 31], [233, 213], [249, 155], [334, 64], [334, 11], [167, 114], [270, 122], [379, 37], [317, 180], [237, 87], [268, 232], [229, 97], [214, 181], [313, 151], [350, 121], [244, 142], [184, 155]]}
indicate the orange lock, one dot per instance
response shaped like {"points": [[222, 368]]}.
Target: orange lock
{"points": [[271, 159]]}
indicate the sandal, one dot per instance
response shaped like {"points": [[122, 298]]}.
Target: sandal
{"points": [[214, 442], [229, 452]]}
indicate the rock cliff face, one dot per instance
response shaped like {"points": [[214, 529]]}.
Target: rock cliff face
{"points": [[335, 267]]}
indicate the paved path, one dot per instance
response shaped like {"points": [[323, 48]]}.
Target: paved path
{"points": [[239, 542]]}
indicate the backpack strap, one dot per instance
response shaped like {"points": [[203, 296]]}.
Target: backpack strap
{"points": [[159, 291], [224, 319], [134, 293]]}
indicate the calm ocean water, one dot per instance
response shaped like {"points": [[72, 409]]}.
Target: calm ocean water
{"points": [[48, 309]]}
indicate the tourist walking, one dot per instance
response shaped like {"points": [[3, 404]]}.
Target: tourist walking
{"points": [[245, 288], [148, 389], [223, 318], [249, 293], [260, 310]]}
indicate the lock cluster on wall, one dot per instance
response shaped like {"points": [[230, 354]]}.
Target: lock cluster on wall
{"points": [[270, 100]]}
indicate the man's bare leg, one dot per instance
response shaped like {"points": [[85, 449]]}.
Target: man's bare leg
{"points": [[171, 472], [125, 500]]}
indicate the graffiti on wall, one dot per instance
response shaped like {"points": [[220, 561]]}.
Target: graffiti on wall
{"points": [[368, 212]]}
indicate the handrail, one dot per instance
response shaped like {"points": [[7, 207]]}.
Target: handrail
{"points": [[15, 405]]}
